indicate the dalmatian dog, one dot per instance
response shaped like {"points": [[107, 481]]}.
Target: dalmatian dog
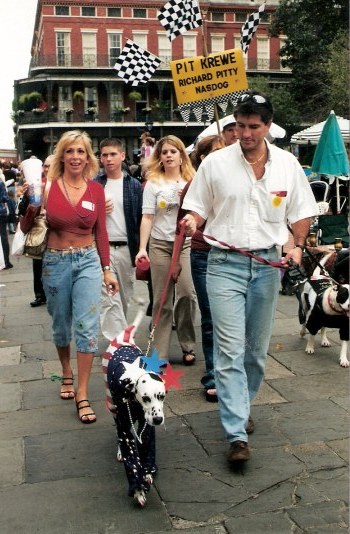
{"points": [[135, 396], [325, 303]]}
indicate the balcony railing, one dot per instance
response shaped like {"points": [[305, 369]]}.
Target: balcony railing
{"points": [[31, 117], [92, 61]]}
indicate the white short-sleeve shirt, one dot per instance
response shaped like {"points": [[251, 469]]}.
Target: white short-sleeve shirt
{"points": [[245, 212], [162, 199]]}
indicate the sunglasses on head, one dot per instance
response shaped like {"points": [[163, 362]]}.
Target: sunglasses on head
{"points": [[258, 99]]}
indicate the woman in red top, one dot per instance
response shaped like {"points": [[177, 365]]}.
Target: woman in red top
{"points": [[77, 249]]}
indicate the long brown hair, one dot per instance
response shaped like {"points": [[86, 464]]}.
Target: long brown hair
{"points": [[155, 171], [204, 147]]}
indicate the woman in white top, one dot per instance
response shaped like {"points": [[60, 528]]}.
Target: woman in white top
{"points": [[168, 170]]}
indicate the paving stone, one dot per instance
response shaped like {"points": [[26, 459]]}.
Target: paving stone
{"points": [[10, 355], [324, 360], [272, 522], [329, 484], [320, 515], [340, 447], [311, 387], [21, 372], [317, 456], [89, 504], [25, 334], [10, 399], [11, 462]]}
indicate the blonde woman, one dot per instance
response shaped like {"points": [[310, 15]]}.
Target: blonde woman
{"points": [[168, 170], [77, 249]]}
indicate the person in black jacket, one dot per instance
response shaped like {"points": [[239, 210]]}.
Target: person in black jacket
{"points": [[4, 211], [124, 211]]}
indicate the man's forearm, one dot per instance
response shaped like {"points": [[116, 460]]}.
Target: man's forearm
{"points": [[301, 230]]}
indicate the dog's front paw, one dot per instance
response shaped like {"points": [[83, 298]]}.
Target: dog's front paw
{"points": [[310, 349], [140, 498], [344, 363], [325, 342]]}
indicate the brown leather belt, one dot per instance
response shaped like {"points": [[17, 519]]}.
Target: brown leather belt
{"points": [[118, 243]]}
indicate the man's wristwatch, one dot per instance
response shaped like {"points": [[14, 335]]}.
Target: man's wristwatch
{"points": [[302, 247], [106, 268]]}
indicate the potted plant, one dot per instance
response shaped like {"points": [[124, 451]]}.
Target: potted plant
{"points": [[91, 110]]}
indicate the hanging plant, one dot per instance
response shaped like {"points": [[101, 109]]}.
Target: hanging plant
{"points": [[135, 96], [78, 95]]}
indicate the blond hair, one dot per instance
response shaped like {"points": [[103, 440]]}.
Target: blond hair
{"points": [[155, 171], [68, 138]]}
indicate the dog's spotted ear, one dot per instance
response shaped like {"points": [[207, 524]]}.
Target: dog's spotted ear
{"points": [[342, 295]]}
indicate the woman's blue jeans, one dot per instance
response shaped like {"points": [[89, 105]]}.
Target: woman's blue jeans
{"points": [[242, 294], [72, 284], [199, 260]]}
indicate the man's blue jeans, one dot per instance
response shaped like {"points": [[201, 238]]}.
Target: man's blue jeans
{"points": [[242, 294], [199, 260]]}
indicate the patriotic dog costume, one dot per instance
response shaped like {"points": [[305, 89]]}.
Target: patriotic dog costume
{"points": [[134, 395]]}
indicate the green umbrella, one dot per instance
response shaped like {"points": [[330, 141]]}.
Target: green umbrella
{"points": [[330, 155]]}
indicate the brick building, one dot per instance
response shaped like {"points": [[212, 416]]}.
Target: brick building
{"points": [[71, 82]]}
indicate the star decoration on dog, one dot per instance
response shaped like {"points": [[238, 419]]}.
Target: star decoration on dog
{"points": [[171, 377], [132, 370], [153, 363]]}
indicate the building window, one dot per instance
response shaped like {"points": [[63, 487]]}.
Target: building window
{"points": [[65, 101], [88, 11], [90, 98], [116, 99], [218, 17], [241, 16], [114, 47], [140, 13], [263, 53], [89, 49], [114, 12], [63, 49], [217, 43], [164, 49], [140, 38], [189, 45], [237, 41], [62, 11]]}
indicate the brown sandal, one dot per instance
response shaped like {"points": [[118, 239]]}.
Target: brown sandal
{"points": [[85, 417], [188, 357], [70, 393]]}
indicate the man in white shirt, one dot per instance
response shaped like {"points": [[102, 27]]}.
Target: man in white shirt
{"points": [[124, 211], [247, 192]]}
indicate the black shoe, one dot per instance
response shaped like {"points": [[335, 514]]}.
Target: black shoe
{"points": [[239, 451], [8, 266], [39, 301], [211, 397]]}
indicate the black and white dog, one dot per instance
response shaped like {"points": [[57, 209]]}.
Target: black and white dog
{"points": [[325, 303], [134, 396]]}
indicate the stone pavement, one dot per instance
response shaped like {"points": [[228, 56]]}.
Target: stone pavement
{"points": [[57, 475]]}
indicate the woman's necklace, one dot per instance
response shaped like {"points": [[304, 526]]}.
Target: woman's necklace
{"points": [[74, 186], [71, 203]]}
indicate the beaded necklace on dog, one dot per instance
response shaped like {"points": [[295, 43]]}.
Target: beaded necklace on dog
{"points": [[138, 437]]}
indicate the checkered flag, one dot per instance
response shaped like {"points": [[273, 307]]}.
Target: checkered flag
{"points": [[179, 16], [249, 28], [136, 65]]}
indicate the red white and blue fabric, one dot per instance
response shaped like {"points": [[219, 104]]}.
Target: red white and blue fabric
{"points": [[249, 28], [179, 16]]}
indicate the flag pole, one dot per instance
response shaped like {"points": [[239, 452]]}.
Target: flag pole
{"points": [[205, 54]]}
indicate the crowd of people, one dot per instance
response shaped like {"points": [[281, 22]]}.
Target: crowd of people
{"points": [[235, 188]]}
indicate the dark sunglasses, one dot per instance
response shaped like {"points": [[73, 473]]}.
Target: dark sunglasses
{"points": [[258, 99]]}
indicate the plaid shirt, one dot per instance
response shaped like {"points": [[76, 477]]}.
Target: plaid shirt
{"points": [[132, 202]]}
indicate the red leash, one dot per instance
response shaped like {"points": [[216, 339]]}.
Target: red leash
{"points": [[178, 243], [277, 264]]}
